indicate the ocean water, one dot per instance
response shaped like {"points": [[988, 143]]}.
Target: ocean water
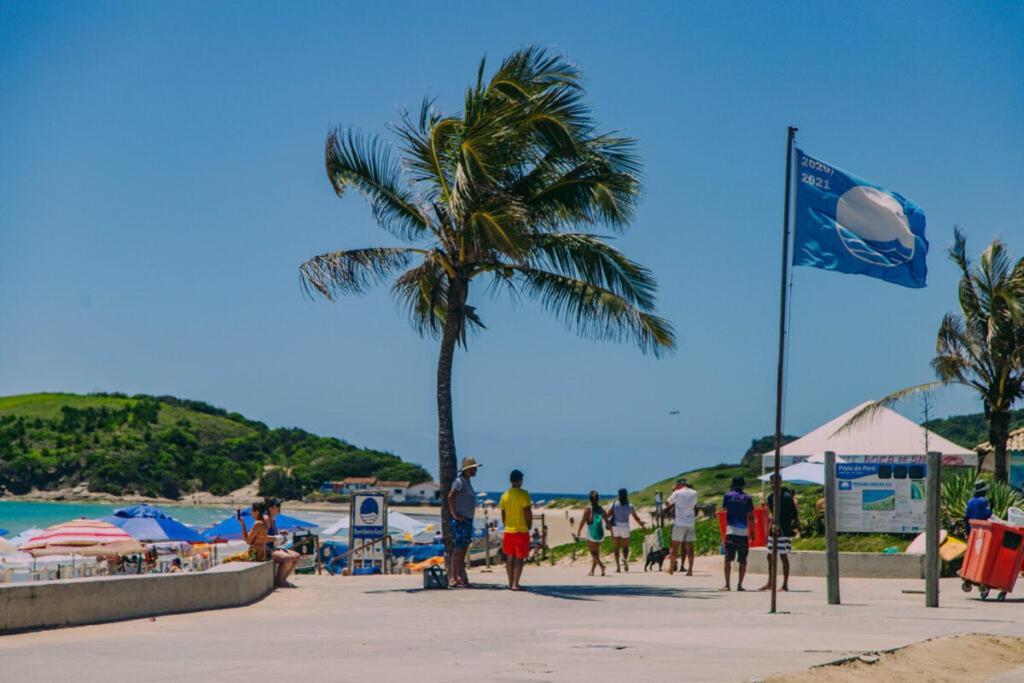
{"points": [[16, 516]]}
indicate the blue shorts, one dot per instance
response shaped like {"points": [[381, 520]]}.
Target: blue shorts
{"points": [[462, 533]]}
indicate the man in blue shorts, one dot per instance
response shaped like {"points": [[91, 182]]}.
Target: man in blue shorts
{"points": [[739, 509], [462, 506]]}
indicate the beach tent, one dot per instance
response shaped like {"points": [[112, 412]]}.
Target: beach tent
{"points": [[82, 537], [397, 523], [887, 434], [230, 528], [151, 524]]}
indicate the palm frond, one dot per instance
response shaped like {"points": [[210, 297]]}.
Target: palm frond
{"points": [[871, 410], [353, 271], [588, 257], [421, 291], [597, 313], [366, 163]]}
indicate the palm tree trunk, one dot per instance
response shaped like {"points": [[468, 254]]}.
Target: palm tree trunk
{"points": [[998, 434], [445, 427]]}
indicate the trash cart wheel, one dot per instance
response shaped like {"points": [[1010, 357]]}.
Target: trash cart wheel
{"points": [[965, 586], [983, 591], [1001, 596]]}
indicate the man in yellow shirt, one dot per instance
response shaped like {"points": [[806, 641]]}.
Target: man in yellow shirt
{"points": [[517, 516]]}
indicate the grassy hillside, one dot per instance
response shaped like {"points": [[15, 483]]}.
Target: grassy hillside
{"points": [[165, 446], [970, 430]]}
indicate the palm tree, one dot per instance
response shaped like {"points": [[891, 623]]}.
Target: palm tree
{"points": [[506, 194], [982, 347]]}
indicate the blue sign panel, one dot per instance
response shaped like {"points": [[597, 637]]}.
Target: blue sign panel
{"points": [[368, 517]]}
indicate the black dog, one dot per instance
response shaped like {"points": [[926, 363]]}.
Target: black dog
{"points": [[656, 557]]}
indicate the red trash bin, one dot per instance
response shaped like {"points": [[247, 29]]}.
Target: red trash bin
{"points": [[977, 560], [994, 556], [1007, 551]]}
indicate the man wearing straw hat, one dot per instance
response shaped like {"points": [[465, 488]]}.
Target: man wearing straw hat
{"points": [[462, 506]]}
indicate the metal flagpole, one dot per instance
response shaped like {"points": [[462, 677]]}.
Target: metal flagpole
{"points": [[776, 479]]}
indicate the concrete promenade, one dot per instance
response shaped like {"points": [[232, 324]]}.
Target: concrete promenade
{"points": [[636, 626]]}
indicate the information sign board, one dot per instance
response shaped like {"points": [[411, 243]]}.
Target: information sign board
{"points": [[880, 497]]}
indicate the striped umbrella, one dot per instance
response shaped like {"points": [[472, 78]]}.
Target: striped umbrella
{"points": [[82, 537]]}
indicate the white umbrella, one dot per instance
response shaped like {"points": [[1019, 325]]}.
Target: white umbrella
{"points": [[801, 473], [397, 523]]}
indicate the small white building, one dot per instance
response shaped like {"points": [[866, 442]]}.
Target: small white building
{"points": [[397, 490], [428, 492]]}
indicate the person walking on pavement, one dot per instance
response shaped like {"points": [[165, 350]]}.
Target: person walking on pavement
{"points": [[787, 524], [517, 516], [462, 506], [594, 518], [620, 512], [682, 505], [739, 508]]}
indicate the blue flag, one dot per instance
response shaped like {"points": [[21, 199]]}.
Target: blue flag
{"points": [[846, 224]]}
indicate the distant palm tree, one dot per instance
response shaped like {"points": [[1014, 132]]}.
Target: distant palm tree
{"points": [[981, 348], [496, 194]]}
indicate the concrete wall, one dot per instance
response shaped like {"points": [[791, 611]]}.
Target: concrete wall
{"points": [[50, 604], [851, 565]]}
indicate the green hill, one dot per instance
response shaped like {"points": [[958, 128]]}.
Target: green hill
{"points": [[166, 446]]}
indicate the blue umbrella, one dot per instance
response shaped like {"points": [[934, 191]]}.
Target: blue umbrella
{"points": [[3, 532], [151, 524], [231, 529]]}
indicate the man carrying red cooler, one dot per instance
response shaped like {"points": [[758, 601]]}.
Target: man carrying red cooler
{"points": [[739, 520]]}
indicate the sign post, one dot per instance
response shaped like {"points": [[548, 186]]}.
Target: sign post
{"points": [[368, 526], [931, 570], [831, 529]]}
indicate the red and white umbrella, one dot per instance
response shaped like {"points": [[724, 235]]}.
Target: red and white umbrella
{"points": [[82, 537]]}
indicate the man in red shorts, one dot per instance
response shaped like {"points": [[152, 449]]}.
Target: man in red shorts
{"points": [[517, 516]]}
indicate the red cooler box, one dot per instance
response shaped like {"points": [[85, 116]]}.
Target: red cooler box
{"points": [[759, 535]]}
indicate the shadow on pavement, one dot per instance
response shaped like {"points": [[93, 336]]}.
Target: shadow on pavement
{"points": [[595, 592], [587, 592]]}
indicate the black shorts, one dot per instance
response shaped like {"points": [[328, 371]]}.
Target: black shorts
{"points": [[736, 548]]}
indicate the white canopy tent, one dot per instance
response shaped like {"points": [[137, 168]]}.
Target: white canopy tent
{"points": [[887, 434], [397, 523]]}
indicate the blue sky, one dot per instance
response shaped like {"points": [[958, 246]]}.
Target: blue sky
{"points": [[162, 178]]}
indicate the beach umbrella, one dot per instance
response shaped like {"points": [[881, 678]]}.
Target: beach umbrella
{"points": [[4, 532], [801, 473], [25, 536], [397, 523], [82, 537], [231, 529], [151, 524]]}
